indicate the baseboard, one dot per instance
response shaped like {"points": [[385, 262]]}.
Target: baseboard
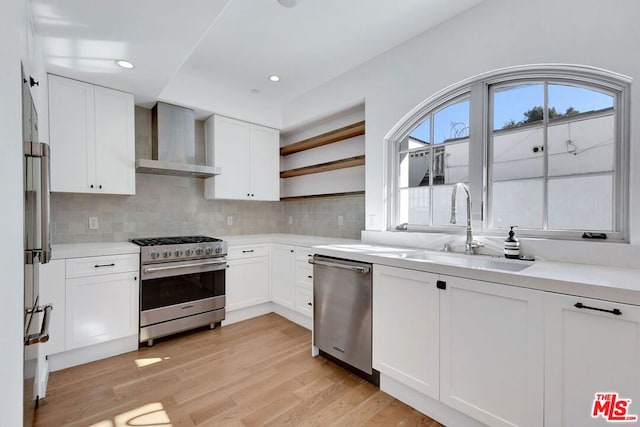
{"points": [[294, 316], [247, 313], [92, 353], [435, 409]]}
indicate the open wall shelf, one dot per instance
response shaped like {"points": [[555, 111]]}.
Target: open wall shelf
{"points": [[337, 135], [323, 196], [324, 167], [341, 134]]}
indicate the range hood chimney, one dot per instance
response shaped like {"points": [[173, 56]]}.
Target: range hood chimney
{"points": [[173, 144]]}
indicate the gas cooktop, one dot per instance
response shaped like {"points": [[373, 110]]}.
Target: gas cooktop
{"points": [[180, 248], [179, 240]]}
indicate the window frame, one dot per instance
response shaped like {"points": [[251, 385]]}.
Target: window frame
{"points": [[477, 89]]}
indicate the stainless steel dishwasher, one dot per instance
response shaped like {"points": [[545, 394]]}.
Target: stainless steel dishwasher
{"points": [[342, 310]]}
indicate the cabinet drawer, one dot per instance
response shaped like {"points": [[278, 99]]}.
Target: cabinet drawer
{"points": [[247, 251], [304, 274], [99, 265], [304, 301], [303, 254]]}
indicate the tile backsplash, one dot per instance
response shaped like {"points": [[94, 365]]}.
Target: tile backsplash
{"points": [[168, 205]]}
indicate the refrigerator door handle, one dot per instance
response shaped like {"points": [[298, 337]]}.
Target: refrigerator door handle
{"points": [[45, 191], [43, 335]]}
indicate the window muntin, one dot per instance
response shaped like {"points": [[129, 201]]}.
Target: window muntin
{"points": [[496, 191], [431, 158], [557, 160]]}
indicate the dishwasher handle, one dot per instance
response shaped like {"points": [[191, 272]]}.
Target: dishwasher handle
{"points": [[364, 269]]}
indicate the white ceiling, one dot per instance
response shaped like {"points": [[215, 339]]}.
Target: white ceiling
{"points": [[210, 54]]}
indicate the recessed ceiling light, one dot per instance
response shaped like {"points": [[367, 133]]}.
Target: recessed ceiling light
{"points": [[124, 64], [274, 78], [288, 3]]}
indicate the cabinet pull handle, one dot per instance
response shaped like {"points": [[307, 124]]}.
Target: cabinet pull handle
{"points": [[309, 304], [310, 277], [615, 311], [104, 265], [91, 185], [100, 186], [247, 252]]}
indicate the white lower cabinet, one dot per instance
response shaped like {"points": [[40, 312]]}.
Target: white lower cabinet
{"points": [[95, 303], [476, 347], [283, 275], [491, 352], [101, 308], [589, 350], [406, 327], [247, 277], [505, 355], [304, 301]]}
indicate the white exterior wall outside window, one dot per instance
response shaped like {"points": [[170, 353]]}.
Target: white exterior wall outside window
{"points": [[546, 148]]}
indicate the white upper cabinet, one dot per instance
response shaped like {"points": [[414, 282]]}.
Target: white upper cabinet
{"points": [[91, 133], [115, 142], [248, 156]]}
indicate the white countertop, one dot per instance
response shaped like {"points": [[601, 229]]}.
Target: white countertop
{"points": [[607, 283], [79, 250]]}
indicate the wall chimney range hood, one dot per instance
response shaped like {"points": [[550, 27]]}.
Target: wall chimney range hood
{"points": [[173, 144]]}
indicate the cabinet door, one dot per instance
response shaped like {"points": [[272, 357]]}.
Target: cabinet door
{"points": [[265, 163], [491, 353], [231, 152], [587, 352], [247, 282], [304, 301], [283, 275], [101, 308], [71, 135], [52, 291], [406, 327], [115, 142]]}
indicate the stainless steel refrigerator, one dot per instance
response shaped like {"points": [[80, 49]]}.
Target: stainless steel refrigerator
{"points": [[37, 248]]}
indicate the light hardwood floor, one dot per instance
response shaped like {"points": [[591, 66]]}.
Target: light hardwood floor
{"points": [[253, 373]]}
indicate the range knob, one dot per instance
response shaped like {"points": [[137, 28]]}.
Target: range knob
{"points": [[218, 249], [199, 251], [188, 252], [154, 255], [166, 254], [178, 253], [209, 251]]}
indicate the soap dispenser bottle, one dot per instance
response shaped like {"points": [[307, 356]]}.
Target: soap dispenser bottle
{"points": [[512, 245]]}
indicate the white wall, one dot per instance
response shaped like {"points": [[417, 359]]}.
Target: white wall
{"points": [[493, 35], [12, 47]]}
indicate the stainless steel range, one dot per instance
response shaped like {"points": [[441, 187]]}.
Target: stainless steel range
{"points": [[182, 284]]}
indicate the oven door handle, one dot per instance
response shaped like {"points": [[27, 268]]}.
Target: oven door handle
{"points": [[174, 267]]}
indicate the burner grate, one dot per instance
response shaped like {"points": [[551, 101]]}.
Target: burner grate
{"points": [[178, 240]]}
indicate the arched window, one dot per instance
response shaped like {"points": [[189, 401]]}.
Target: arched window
{"points": [[544, 148]]}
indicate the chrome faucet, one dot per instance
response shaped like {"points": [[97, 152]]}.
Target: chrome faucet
{"points": [[470, 244]]}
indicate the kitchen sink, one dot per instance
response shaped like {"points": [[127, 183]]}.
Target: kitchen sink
{"points": [[471, 261]]}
